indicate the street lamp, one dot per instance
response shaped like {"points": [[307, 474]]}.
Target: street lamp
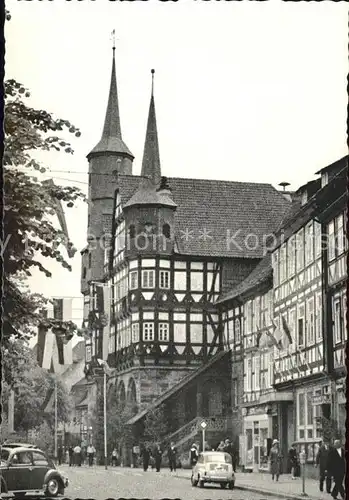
{"points": [[203, 426], [106, 368]]}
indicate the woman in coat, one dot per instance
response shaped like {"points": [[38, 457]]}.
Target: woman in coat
{"points": [[275, 460]]}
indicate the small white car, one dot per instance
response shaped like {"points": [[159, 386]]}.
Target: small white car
{"points": [[213, 467]]}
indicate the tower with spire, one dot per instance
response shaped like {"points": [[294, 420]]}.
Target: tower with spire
{"points": [[109, 158], [149, 214]]}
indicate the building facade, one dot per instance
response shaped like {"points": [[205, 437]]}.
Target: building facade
{"points": [[171, 247]]}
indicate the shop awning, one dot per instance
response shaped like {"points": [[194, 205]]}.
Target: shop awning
{"points": [[276, 397]]}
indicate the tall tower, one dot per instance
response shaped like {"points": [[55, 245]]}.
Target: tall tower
{"points": [[107, 159]]}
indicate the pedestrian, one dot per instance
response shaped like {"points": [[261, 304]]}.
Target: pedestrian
{"points": [[91, 450], [293, 458], [193, 455], [60, 455], [336, 468], [71, 456], [172, 457], [275, 460], [114, 457], [145, 454], [220, 447], [158, 457], [321, 462], [77, 455]]}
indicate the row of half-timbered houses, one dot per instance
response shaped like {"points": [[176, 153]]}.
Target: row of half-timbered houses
{"points": [[186, 283], [294, 391]]}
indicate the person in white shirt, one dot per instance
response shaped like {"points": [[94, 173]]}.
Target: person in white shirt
{"points": [[91, 450], [77, 455]]}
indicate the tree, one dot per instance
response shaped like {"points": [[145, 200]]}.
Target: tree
{"points": [[29, 207], [156, 425], [32, 385]]}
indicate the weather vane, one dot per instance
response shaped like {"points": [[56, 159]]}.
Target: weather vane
{"points": [[113, 38]]}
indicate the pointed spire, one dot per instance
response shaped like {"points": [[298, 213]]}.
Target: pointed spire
{"points": [[111, 140], [151, 157], [112, 126]]}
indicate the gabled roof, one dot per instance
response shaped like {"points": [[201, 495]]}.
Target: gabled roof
{"points": [[219, 218], [261, 273], [177, 387]]}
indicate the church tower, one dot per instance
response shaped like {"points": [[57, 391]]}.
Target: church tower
{"points": [[107, 159]]}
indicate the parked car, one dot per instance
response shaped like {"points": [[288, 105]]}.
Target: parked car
{"points": [[213, 467], [26, 469]]}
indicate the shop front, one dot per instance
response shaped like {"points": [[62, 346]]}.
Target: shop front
{"points": [[259, 429]]}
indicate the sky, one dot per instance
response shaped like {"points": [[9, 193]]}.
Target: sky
{"points": [[244, 91]]}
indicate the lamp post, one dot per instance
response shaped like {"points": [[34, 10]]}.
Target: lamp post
{"points": [[106, 368], [203, 426]]}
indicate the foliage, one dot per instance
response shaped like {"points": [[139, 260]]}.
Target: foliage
{"points": [[32, 386], [156, 425], [30, 205]]}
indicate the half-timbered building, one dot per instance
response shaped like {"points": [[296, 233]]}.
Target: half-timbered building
{"points": [[176, 245], [332, 203], [247, 315]]}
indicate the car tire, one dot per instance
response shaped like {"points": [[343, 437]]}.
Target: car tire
{"points": [[18, 495], [52, 487], [232, 485], [194, 482], [201, 483], [223, 485]]}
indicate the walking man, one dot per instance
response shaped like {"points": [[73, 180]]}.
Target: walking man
{"points": [[60, 455], [114, 457], [293, 458], [71, 456], [172, 457], [77, 455], [321, 462], [91, 450], [194, 455], [158, 457], [336, 468], [145, 454], [275, 460]]}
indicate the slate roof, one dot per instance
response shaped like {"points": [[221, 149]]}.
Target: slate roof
{"points": [[210, 212], [261, 273]]}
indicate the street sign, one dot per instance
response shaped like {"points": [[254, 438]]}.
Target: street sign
{"points": [[203, 425]]}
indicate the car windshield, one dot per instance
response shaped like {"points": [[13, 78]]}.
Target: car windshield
{"points": [[218, 457], [4, 455]]}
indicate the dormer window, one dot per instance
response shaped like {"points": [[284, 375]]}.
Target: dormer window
{"points": [[324, 179], [132, 231], [304, 197], [166, 230]]}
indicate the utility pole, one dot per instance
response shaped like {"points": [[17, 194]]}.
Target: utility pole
{"points": [[56, 421]]}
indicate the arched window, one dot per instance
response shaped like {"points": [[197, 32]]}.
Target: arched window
{"points": [[237, 331], [121, 395], [132, 231], [166, 230], [89, 260]]}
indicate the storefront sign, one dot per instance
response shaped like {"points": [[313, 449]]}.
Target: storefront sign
{"points": [[323, 399]]}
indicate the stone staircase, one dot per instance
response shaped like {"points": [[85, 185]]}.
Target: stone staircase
{"points": [[190, 433]]}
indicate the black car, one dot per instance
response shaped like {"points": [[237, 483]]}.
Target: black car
{"points": [[26, 469]]}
